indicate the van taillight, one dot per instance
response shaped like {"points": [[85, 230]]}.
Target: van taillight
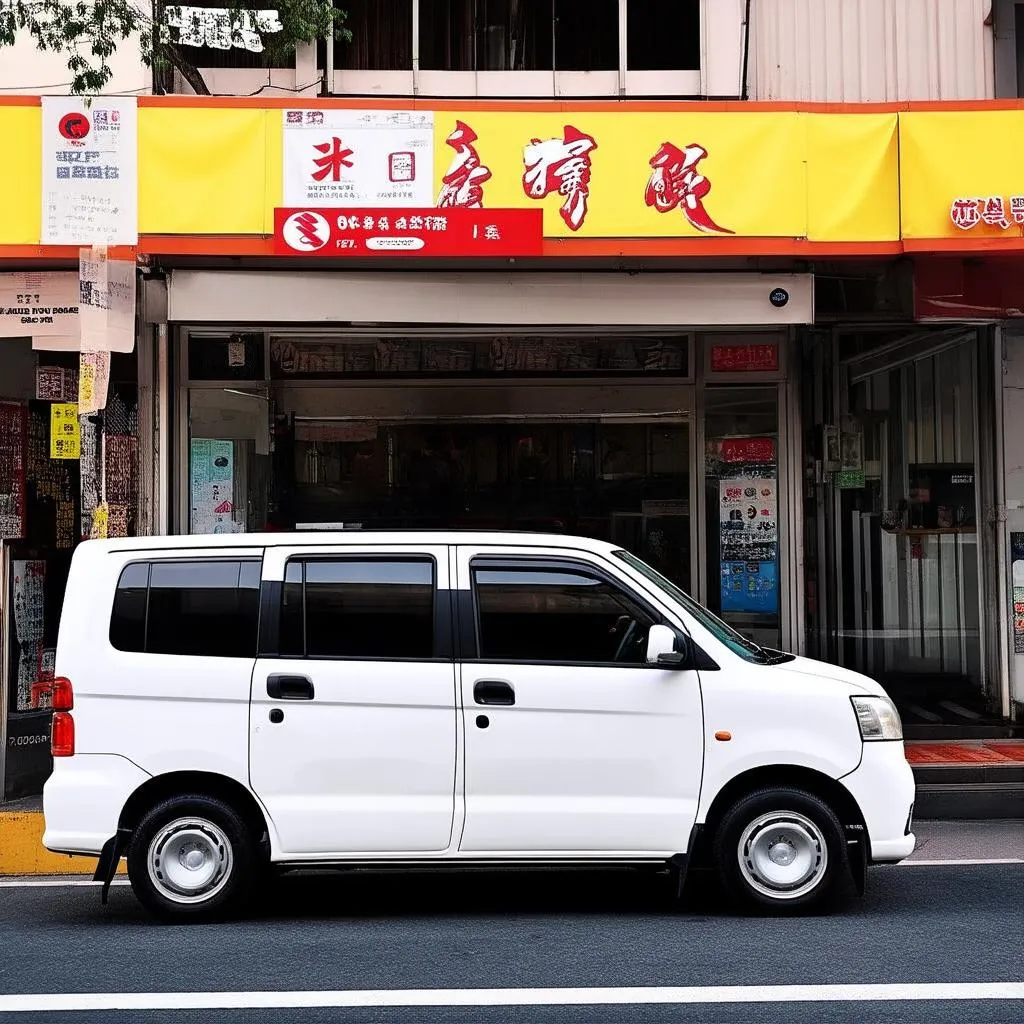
{"points": [[62, 695], [62, 735]]}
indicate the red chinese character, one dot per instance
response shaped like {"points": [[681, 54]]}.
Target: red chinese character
{"points": [[463, 184], [335, 157], [676, 181], [562, 166], [993, 212], [964, 213], [1017, 209]]}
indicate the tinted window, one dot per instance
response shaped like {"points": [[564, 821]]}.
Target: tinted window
{"points": [[128, 620], [358, 608], [553, 615], [199, 607]]}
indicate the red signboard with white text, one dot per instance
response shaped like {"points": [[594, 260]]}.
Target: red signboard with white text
{"points": [[744, 358], [428, 232]]}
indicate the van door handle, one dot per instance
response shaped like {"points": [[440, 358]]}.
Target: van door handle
{"points": [[493, 691], [284, 687]]}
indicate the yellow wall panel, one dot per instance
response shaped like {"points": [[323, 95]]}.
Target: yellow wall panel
{"points": [[203, 170], [20, 175], [852, 177], [945, 155]]}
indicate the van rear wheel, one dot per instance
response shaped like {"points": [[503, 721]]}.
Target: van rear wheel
{"points": [[192, 857], [780, 851]]}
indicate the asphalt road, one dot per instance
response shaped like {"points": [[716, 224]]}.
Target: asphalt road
{"points": [[928, 924]]}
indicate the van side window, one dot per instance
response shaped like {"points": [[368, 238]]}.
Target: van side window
{"points": [[197, 607], [552, 615], [358, 608]]}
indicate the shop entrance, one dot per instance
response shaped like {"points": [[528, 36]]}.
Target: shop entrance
{"points": [[622, 482], [898, 554], [651, 441]]}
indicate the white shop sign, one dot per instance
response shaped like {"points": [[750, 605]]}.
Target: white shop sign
{"points": [[364, 158], [90, 171]]}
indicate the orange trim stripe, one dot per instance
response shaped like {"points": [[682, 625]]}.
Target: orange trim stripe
{"points": [[263, 246]]}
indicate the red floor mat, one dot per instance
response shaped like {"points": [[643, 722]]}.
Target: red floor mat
{"points": [[965, 753]]}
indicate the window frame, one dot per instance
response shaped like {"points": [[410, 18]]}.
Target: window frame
{"points": [[148, 564], [530, 563], [441, 616]]}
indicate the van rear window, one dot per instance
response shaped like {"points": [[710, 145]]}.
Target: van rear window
{"points": [[194, 607]]}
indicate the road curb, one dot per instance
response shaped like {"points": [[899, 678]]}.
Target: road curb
{"points": [[22, 851]]}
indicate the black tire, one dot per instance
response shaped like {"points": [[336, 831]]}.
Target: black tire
{"points": [[811, 862], [203, 843]]}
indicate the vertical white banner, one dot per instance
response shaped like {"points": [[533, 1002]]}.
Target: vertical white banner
{"points": [[106, 306], [365, 158], [90, 171]]}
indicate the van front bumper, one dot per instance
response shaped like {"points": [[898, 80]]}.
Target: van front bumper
{"points": [[883, 786], [83, 800]]}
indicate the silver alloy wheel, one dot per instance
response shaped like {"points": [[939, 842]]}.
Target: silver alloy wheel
{"points": [[782, 855], [189, 860]]}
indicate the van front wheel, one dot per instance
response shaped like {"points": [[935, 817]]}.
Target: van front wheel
{"points": [[191, 857], [781, 851]]}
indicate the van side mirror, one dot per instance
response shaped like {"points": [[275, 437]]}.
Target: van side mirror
{"points": [[668, 648]]}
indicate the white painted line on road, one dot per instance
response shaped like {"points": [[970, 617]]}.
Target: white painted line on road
{"points": [[49, 883], [962, 860], [89, 1001]]}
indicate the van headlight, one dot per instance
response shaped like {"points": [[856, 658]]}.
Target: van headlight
{"points": [[878, 718]]}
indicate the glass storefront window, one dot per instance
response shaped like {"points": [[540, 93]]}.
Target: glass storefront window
{"points": [[228, 458], [906, 498], [742, 509]]}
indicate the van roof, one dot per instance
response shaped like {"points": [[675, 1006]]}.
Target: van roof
{"points": [[319, 538]]}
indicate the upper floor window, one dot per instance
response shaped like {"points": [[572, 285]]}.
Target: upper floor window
{"points": [[520, 35]]}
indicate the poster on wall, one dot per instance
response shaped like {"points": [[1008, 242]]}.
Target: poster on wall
{"points": [[90, 171], [212, 473], [366, 158], [1017, 577], [65, 435], [749, 541], [12, 470], [28, 589]]}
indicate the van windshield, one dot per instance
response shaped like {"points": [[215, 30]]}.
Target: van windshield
{"points": [[736, 642]]}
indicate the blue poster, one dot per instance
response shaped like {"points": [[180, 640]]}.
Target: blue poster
{"points": [[750, 587]]}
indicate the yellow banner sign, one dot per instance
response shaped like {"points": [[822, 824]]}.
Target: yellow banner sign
{"points": [[65, 437], [627, 171], [961, 175], [622, 173]]}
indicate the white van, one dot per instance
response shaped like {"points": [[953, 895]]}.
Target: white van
{"points": [[228, 704]]}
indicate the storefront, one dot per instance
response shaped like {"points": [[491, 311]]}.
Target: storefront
{"points": [[635, 428], [901, 552], [60, 474]]}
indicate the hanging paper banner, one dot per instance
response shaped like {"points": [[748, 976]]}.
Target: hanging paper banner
{"points": [[38, 305], [106, 301], [365, 158], [90, 171], [93, 382], [65, 438]]}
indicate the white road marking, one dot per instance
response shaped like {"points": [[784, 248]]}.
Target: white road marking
{"points": [[90, 1001], [49, 883], [962, 860]]}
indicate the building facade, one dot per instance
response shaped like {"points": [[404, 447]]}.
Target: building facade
{"points": [[768, 346]]}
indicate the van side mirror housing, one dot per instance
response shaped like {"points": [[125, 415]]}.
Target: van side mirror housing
{"points": [[668, 648]]}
